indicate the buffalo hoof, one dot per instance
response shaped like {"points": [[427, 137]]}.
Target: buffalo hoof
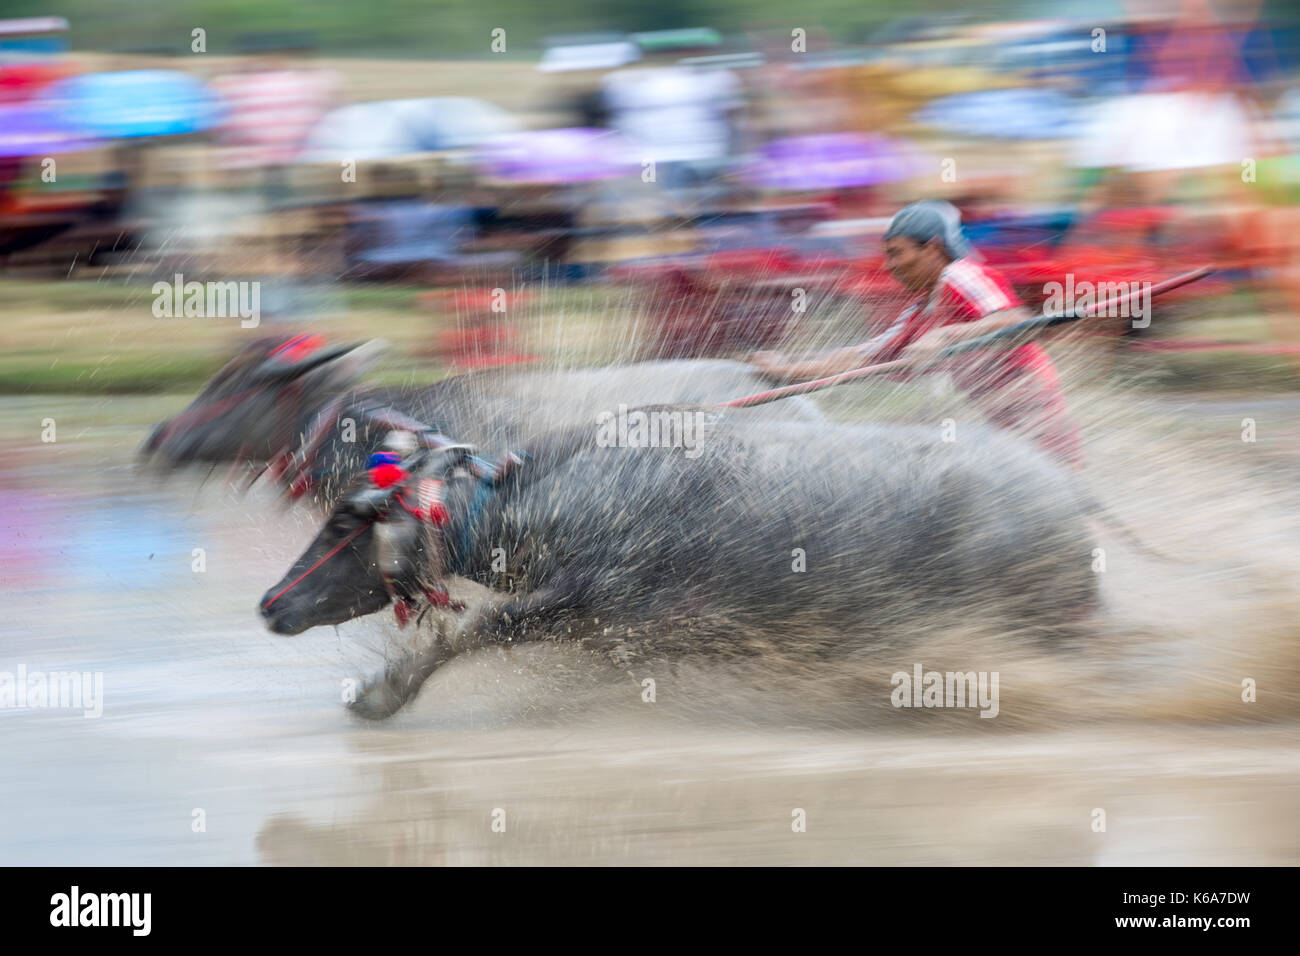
{"points": [[378, 701], [401, 680]]}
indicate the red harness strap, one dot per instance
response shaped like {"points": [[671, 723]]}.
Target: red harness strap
{"points": [[301, 480], [428, 507], [302, 577]]}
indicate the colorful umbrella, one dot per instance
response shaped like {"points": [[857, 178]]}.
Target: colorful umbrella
{"points": [[832, 161], [269, 114], [31, 129], [136, 103]]}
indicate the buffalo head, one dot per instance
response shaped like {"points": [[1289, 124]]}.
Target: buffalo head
{"points": [[381, 544], [250, 408]]}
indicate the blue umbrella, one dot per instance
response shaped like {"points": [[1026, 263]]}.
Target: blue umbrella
{"points": [[28, 129], [1004, 114], [136, 103]]}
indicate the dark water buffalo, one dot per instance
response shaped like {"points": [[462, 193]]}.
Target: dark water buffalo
{"points": [[763, 528], [294, 406]]}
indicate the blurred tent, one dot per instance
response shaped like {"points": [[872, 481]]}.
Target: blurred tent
{"points": [[588, 56], [832, 161], [1150, 132], [674, 113], [136, 103], [269, 113], [1022, 113], [557, 156], [29, 52], [667, 41], [35, 129], [27, 48], [391, 128]]}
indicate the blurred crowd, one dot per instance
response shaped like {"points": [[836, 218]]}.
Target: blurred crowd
{"points": [[1123, 148]]}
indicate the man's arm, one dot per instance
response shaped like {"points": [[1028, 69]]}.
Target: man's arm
{"points": [[993, 322], [774, 365], [936, 340]]}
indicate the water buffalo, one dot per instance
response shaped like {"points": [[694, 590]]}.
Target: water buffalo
{"points": [[771, 528], [294, 407]]}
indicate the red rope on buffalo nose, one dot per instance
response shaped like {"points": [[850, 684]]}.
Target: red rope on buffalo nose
{"points": [[302, 577]]}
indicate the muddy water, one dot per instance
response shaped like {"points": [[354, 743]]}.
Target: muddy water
{"points": [[219, 743]]}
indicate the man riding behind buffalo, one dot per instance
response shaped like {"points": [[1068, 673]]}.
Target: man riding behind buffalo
{"points": [[957, 298]]}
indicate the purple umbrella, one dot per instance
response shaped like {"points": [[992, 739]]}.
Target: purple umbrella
{"points": [[29, 129], [832, 161], [554, 156]]}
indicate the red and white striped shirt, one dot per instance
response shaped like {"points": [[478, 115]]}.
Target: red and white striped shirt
{"points": [[967, 291], [1018, 388]]}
